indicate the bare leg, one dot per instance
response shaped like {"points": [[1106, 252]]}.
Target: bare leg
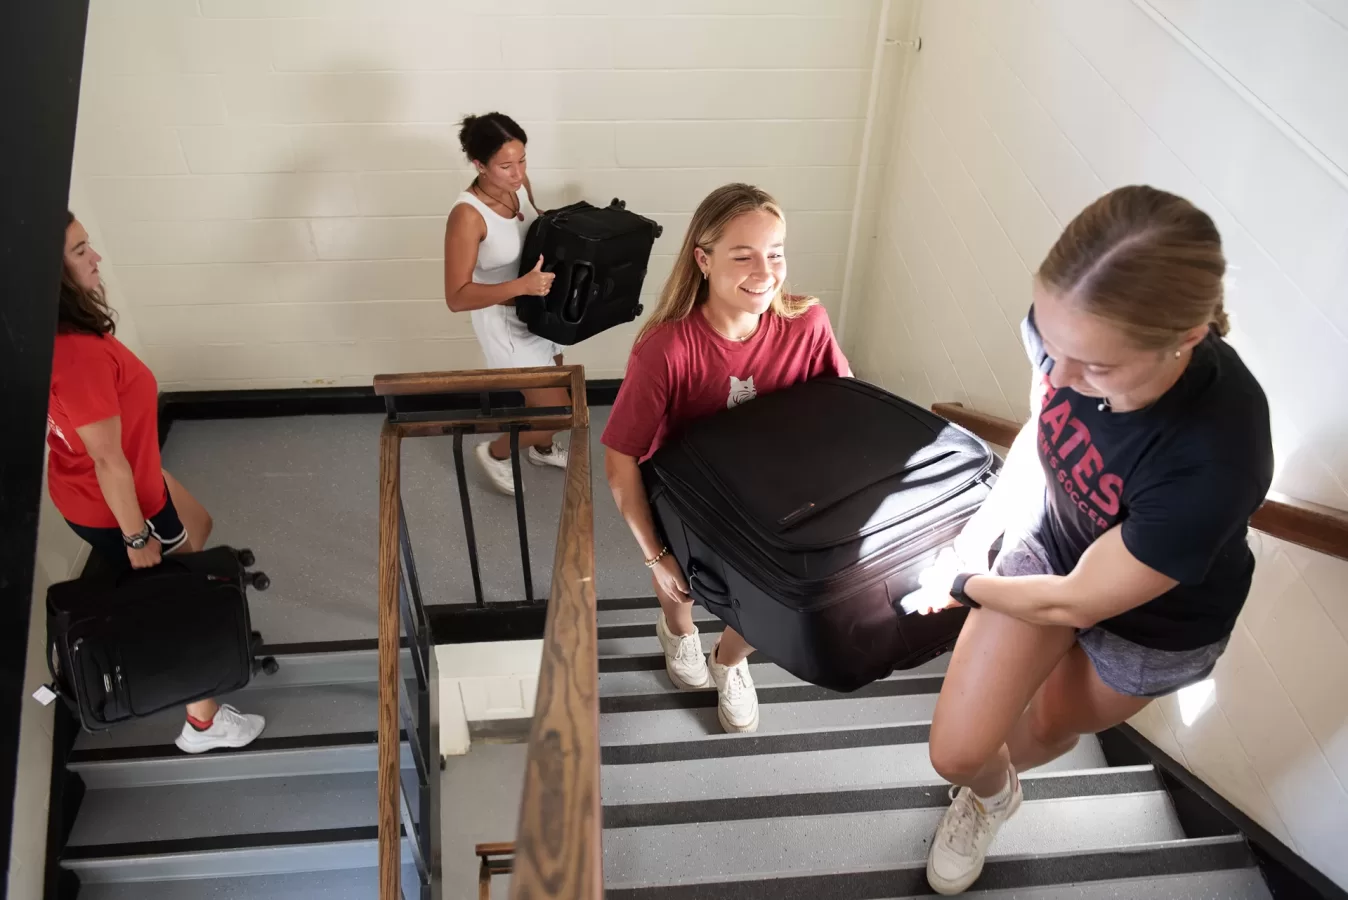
{"points": [[732, 649], [198, 523], [500, 448], [678, 612], [997, 667], [1072, 702]]}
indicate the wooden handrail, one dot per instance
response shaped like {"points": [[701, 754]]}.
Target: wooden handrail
{"points": [[564, 755], [558, 852], [390, 749], [1320, 528], [474, 381]]}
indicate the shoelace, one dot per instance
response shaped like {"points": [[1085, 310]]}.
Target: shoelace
{"points": [[690, 648], [231, 715], [969, 822], [734, 684]]}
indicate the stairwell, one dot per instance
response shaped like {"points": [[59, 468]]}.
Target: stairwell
{"points": [[290, 816], [835, 797]]}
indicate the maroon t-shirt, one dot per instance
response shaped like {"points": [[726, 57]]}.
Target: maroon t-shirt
{"points": [[684, 371]]}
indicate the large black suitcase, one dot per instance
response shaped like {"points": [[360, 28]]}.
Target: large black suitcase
{"points": [[802, 517], [599, 257], [126, 645]]}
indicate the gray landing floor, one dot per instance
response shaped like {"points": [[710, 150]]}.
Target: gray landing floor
{"points": [[480, 805], [303, 492]]}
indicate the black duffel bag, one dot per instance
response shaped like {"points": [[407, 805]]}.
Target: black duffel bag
{"points": [[599, 257], [801, 519]]}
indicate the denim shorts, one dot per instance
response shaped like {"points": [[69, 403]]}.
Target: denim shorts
{"points": [[1122, 665]]}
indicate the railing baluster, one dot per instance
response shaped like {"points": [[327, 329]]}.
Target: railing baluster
{"points": [[468, 532], [519, 513], [413, 834], [413, 729], [413, 706]]}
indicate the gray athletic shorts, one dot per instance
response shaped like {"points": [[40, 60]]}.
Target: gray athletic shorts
{"points": [[1122, 665]]}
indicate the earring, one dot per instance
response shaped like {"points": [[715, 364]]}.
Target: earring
{"points": [[1178, 354]]}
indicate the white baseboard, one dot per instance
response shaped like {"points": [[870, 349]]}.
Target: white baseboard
{"points": [[482, 683]]}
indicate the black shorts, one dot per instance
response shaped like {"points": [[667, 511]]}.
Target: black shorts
{"points": [[165, 527]]}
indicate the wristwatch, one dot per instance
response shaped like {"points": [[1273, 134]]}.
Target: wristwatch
{"points": [[138, 540], [957, 590]]}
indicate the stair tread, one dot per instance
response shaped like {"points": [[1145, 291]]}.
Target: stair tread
{"points": [[684, 725], [1226, 884], [823, 844], [290, 711], [765, 674], [767, 774], [246, 807], [346, 884], [647, 616]]}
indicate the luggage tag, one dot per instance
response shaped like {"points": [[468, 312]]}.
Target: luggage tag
{"points": [[44, 695]]}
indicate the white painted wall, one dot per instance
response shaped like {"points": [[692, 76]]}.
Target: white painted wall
{"points": [[273, 176], [1018, 114]]}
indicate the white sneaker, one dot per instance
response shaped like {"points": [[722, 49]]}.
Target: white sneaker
{"points": [[685, 662], [736, 701], [556, 458], [963, 837], [230, 728], [499, 472]]}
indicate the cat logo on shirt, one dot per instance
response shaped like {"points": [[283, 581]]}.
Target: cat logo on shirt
{"points": [[741, 391]]}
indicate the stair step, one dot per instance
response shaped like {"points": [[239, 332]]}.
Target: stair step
{"points": [[325, 662], [647, 616], [701, 726], [878, 798], [852, 842], [267, 757], [765, 674], [199, 810], [1201, 869], [762, 775], [290, 711], [206, 859], [348, 884]]}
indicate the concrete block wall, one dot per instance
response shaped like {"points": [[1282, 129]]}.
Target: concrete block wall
{"points": [[1018, 114], [273, 177]]}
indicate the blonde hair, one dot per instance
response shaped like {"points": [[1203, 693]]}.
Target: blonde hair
{"points": [[1148, 261], [686, 289]]}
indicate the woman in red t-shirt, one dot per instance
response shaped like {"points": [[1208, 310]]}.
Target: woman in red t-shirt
{"points": [[725, 331], [103, 469]]}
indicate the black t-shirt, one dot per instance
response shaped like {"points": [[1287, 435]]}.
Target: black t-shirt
{"points": [[1182, 476]]}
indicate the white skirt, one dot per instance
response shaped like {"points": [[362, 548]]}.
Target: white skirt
{"points": [[507, 343]]}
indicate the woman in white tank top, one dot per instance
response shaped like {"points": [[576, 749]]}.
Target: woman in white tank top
{"points": [[483, 242]]}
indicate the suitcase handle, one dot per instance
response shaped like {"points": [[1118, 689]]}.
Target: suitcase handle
{"points": [[701, 579], [576, 295]]}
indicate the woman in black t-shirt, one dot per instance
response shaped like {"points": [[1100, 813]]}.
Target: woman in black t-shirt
{"points": [[1122, 512]]}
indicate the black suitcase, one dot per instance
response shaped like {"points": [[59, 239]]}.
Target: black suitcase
{"points": [[127, 645], [802, 517], [599, 257]]}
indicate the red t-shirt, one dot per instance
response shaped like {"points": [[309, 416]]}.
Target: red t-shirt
{"points": [[684, 371], [95, 378]]}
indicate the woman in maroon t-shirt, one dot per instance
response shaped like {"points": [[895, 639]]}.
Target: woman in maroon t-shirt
{"points": [[103, 469], [725, 331]]}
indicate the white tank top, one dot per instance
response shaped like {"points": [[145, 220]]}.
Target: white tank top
{"points": [[498, 256]]}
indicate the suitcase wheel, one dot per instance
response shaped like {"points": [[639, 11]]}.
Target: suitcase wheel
{"points": [[659, 230], [618, 204], [246, 557], [270, 666], [259, 580]]}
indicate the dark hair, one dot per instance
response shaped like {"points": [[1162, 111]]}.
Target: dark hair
{"points": [[1148, 261], [481, 136], [81, 310]]}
